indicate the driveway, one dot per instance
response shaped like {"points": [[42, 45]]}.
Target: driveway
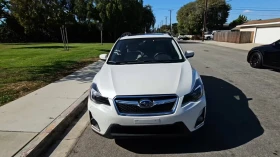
{"points": [[242, 115]]}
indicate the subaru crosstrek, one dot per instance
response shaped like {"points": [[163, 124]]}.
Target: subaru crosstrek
{"points": [[146, 87]]}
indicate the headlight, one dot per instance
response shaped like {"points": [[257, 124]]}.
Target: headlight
{"points": [[96, 96], [195, 94]]}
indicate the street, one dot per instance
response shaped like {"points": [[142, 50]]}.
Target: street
{"points": [[242, 113]]}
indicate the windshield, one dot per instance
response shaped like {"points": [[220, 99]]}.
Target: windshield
{"points": [[145, 50]]}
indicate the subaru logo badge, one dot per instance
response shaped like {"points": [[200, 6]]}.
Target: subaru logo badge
{"points": [[145, 103]]}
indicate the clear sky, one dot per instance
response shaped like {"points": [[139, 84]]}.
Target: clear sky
{"points": [[253, 9]]}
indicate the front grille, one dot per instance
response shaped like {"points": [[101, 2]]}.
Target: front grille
{"points": [[123, 108], [161, 105]]}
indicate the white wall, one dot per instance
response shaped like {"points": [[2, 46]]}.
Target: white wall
{"points": [[267, 35]]}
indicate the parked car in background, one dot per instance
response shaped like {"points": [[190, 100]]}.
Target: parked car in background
{"points": [[183, 37], [146, 87], [209, 36], [265, 56]]}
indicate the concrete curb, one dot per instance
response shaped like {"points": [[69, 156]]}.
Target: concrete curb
{"points": [[64, 147], [53, 131]]}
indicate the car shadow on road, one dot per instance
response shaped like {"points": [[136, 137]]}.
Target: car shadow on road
{"points": [[230, 123], [275, 70]]}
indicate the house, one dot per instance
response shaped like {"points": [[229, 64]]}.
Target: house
{"points": [[265, 31]]}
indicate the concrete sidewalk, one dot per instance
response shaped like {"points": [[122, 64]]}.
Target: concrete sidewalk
{"points": [[244, 46], [22, 119]]}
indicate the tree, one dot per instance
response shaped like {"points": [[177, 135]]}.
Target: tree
{"points": [[4, 6], [149, 19], [239, 21], [119, 16], [190, 16], [175, 28], [165, 28], [217, 14], [41, 20], [83, 10], [28, 13], [11, 31]]}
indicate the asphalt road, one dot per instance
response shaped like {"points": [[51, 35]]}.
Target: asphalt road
{"points": [[242, 116]]}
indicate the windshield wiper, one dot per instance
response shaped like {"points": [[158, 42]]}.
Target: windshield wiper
{"points": [[142, 62], [125, 62], [114, 62], [129, 62], [148, 61], [165, 61]]}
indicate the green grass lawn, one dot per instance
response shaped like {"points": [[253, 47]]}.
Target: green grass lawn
{"points": [[27, 67]]}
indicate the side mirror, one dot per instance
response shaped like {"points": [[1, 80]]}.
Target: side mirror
{"points": [[189, 54], [103, 57]]}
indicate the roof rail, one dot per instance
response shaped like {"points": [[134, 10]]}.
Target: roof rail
{"points": [[169, 33], [125, 34]]}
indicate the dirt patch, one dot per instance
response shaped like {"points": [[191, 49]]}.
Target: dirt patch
{"points": [[11, 91], [22, 86]]}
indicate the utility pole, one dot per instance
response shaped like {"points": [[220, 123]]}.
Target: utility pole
{"points": [[204, 21], [170, 22], [166, 20]]}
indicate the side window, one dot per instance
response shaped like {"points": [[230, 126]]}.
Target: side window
{"points": [[117, 52], [277, 43]]}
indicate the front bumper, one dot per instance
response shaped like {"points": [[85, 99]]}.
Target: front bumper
{"points": [[110, 124], [167, 130]]}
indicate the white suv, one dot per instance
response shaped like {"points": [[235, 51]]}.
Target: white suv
{"points": [[146, 87], [209, 36]]}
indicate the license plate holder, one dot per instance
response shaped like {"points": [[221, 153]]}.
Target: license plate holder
{"points": [[146, 121]]}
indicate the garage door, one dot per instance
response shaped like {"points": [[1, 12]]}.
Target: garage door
{"points": [[267, 35]]}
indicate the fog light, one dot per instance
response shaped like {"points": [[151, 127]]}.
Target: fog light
{"points": [[201, 118], [94, 124]]}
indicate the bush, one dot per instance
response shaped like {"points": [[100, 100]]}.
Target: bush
{"points": [[8, 35]]}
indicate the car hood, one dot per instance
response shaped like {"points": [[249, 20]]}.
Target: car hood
{"points": [[262, 46], [145, 79]]}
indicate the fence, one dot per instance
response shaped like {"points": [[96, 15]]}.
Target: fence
{"points": [[234, 37]]}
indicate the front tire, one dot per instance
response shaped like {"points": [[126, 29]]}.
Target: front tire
{"points": [[256, 60]]}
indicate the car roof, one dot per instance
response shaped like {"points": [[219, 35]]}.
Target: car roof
{"points": [[152, 35]]}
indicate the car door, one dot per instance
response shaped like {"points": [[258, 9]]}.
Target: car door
{"points": [[276, 55], [272, 54]]}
